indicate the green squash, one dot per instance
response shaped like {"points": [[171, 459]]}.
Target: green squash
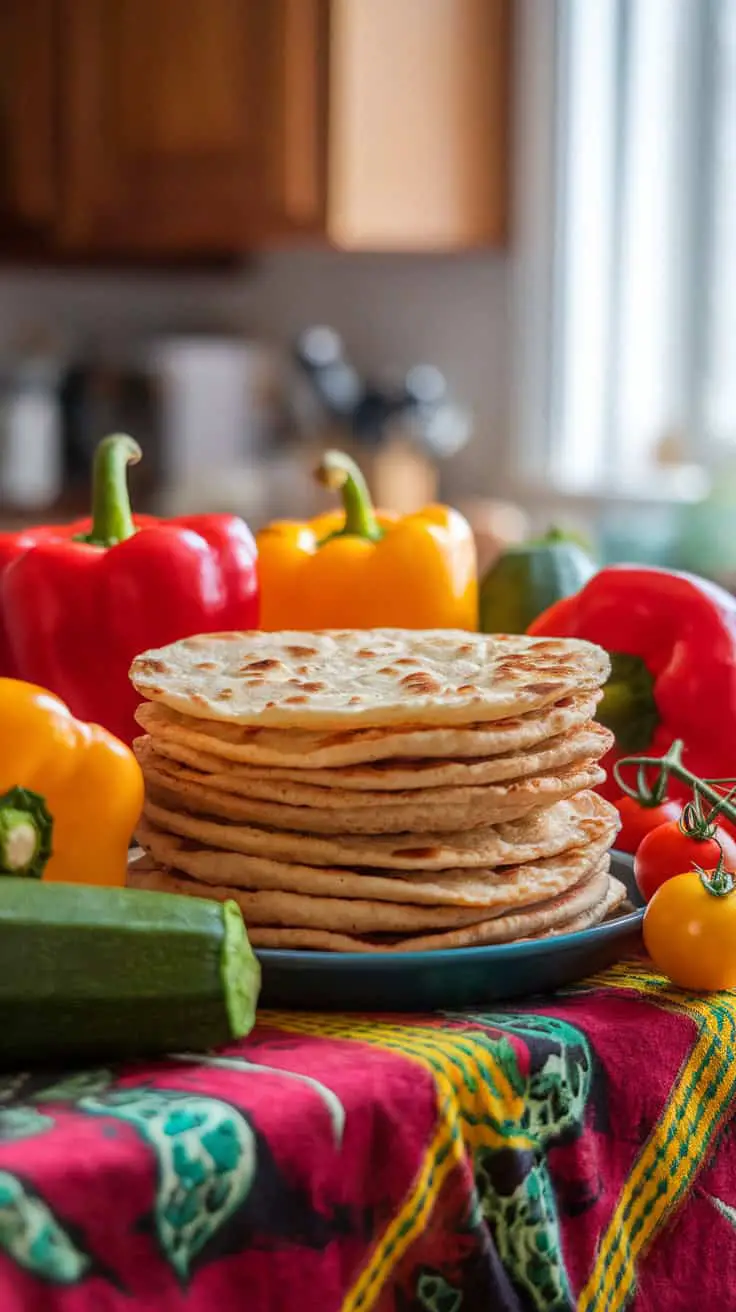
{"points": [[526, 579]]}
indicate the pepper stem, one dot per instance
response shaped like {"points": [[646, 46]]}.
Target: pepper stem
{"points": [[112, 520], [340, 473], [26, 829]]}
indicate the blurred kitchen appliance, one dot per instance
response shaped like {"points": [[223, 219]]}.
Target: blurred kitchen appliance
{"points": [[216, 403], [219, 402], [400, 432]]}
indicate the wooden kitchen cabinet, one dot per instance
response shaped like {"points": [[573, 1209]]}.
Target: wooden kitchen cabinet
{"points": [[190, 128], [29, 180], [418, 128], [159, 124], [391, 123]]}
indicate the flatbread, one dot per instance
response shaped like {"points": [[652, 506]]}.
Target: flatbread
{"points": [[589, 742], [543, 833], [354, 677], [492, 890], [615, 900], [445, 810], [290, 910], [354, 924], [317, 750]]}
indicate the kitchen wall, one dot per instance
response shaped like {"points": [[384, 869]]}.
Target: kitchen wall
{"points": [[392, 310]]}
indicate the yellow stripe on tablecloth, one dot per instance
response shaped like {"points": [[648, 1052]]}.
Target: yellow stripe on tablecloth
{"points": [[445, 1151], [663, 1171], [464, 1072], [473, 1097]]}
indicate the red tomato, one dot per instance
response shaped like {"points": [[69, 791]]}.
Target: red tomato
{"points": [[666, 851], [637, 821]]}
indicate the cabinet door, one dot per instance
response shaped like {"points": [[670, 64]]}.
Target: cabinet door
{"points": [[419, 109], [28, 160], [163, 109], [293, 40]]}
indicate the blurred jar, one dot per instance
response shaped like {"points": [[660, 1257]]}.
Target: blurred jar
{"points": [[31, 433]]}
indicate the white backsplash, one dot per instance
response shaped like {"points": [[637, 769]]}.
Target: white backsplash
{"points": [[393, 311]]}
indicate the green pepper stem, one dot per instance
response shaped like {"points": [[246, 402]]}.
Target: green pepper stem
{"points": [[340, 473], [112, 520], [671, 764], [26, 830]]}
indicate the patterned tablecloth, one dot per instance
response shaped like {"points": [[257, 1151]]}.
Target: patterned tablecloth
{"points": [[572, 1153]]}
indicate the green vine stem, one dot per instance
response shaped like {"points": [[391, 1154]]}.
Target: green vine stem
{"points": [[670, 766], [719, 882]]}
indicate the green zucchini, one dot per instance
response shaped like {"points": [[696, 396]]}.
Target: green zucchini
{"points": [[528, 578], [115, 972]]}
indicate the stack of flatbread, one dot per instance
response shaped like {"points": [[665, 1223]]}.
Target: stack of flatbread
{"points": [[378, 790]]}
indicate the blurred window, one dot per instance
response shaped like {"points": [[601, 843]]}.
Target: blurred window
{"points": [[638, 126]]}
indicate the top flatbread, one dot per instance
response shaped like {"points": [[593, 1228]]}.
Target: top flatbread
{"points": [[356, 677], [328, 749]]}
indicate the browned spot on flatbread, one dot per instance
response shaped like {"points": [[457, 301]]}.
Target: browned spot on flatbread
{"points": [[467, 687], [152, 666], [366, 654], [198, 698], [406, 660], [420, 681], [543, 688], [353, 702], [295, 701], [388, 669], [314, 687], [206, 665], [224, 695], [267, 664], [302, 651]]}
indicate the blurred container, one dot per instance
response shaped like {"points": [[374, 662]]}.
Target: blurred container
{"points": [[217, 404], [31, 434]]}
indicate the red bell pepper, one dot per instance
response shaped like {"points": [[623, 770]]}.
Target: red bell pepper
{"points": [[672, 642], [79, 601]]}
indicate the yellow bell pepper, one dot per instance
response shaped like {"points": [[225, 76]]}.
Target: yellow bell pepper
{"points": [[71, 793], [359, 568]]}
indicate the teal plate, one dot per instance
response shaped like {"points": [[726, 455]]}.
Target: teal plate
{"points": [[457, 977]]}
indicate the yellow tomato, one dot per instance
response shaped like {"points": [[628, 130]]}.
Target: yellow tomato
{"points": [[690, 931]]}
